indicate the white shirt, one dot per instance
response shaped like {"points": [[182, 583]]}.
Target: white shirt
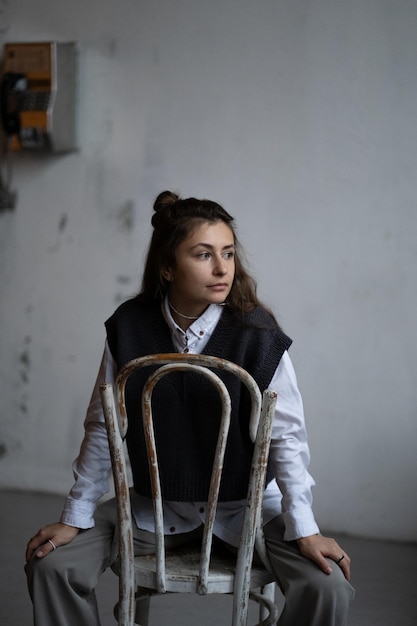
{"points": [[289, 494]]}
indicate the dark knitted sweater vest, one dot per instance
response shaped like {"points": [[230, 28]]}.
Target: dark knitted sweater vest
{"points": [[186, 407]]}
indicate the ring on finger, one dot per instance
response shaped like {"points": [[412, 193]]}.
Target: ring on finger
{"points": [[341, 559], [54, 546]]}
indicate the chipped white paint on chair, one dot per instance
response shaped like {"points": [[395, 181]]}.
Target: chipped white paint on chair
{"points": [[187, 570]]}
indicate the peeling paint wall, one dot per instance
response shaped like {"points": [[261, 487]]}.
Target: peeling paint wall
{"points": [[300, 118]]}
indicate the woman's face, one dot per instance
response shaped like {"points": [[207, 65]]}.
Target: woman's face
{"points": [[204, 270]]}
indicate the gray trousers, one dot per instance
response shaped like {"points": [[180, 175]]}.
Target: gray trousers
{"points": [[62, 584]]}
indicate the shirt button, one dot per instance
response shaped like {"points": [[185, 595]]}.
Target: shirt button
{"points": [[201, 333], [201, 509], [186, 350], [172, 529]]}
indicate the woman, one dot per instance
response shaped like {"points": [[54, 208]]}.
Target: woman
{"points": [[196, 297]]}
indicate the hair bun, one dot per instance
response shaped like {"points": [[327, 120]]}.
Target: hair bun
{"points": [[165, 199]]}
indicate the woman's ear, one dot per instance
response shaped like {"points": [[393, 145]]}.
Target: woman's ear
{"points": [[167, 274]]}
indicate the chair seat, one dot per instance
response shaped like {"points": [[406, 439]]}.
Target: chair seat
{"points": [[182, 572]]}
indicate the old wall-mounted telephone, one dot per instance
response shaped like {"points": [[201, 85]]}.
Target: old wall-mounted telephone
{"points": [[38, 96]]}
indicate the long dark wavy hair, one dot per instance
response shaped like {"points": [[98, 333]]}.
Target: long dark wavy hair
{"points": [[173, 221]]}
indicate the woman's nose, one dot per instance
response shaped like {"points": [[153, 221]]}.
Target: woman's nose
{"points": [[220, 268]]}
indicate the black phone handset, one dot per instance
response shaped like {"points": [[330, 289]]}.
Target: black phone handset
{"points": [[13, 86]]}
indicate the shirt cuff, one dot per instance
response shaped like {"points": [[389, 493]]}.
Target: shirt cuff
{"points": [[299, 523], [78, 513]]}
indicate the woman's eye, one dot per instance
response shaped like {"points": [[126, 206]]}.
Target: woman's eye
{"points": [[204, 255], [229, 255]]}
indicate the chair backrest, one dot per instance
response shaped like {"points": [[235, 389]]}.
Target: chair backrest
{"points": [[261, 416]]}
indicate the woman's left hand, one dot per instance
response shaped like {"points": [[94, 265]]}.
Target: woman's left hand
{"points": [[318, 549]]}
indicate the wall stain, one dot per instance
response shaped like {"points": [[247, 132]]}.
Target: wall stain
{"points": [[124, 280], [24, 360], [126, 216], [119, 298], [111, 48], [24, 370], [3, 450], [63, 222]]}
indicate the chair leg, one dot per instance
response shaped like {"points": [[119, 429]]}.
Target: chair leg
{"points": [[268, 591], [143, 601], [268, 611]]}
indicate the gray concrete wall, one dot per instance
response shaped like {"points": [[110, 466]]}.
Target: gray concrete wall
{"points": [[300, 117]]}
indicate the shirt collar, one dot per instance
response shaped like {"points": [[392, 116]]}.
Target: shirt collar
{"points": [[201, 326]]}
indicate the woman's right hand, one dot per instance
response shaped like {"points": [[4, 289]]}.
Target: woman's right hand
{"points": [[49, 538]]}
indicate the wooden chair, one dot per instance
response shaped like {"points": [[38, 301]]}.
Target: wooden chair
{"points": [[187, 571]]}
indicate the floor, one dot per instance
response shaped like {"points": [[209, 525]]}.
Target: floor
{"points": [[384, 574]]}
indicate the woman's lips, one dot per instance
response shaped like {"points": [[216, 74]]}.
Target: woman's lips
{"points": [[218, 286]]}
